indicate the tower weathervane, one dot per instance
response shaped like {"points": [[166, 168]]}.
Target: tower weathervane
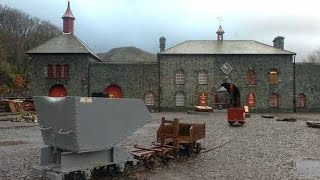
{"points": [[219, 18]]}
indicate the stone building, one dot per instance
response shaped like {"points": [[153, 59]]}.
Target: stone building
{"points": [[217, 73]]}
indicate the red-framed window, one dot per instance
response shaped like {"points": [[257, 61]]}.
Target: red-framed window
{"points": [[58, 71], [66, 71], [302, 101], [274, 100], [50, 73], [251, 77]]}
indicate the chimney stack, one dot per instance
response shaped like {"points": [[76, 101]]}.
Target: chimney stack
{"points": [[68, 20], [278, 42], [162, 41]]}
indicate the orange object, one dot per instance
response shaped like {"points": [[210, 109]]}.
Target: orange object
{"points": [[58, 90], [113, 91]]}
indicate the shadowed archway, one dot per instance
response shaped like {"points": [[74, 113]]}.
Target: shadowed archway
{"points": [[234, 95]]}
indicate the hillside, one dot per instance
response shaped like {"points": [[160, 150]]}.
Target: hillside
{"points": [[128, 55]]}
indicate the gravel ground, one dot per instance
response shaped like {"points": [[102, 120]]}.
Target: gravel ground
{"points": [[261, 149]]}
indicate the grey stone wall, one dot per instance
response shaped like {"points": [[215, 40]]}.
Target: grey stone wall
{"points": [[135, 80], [76, 84], [192, 64], [308, 83]]}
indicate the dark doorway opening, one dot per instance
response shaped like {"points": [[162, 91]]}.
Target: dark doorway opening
{"points": [[234, 95]]}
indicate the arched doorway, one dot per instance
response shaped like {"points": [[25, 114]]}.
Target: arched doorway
{"points": [[113, 91], [234, 95], [58, 90], [220, 98]]}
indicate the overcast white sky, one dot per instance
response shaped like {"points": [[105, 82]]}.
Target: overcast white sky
{"points": [[105, 24]]}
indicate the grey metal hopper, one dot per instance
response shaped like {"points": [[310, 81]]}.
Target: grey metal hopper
{"points": [[82, 124]]}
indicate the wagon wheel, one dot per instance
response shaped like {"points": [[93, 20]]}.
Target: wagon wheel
{"points": [[198, 148], [231, 122], [167, 157], [189, 150], [149, 161]]}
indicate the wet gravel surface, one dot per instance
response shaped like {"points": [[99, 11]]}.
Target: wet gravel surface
{"points": [[261, 149]]}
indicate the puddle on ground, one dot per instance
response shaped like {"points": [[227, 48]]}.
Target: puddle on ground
{"points": [[11, 143], [308, 167]]}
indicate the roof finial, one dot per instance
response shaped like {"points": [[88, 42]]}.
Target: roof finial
{"points": [[220, 31]]}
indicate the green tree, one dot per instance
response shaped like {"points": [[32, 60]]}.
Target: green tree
{"points": [[18, 33]]}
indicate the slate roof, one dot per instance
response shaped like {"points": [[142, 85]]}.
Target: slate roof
{"points": [[129, 54], [224, 47], [63, 44]]}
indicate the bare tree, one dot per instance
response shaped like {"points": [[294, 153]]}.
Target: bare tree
{"points": [[314, 57]]}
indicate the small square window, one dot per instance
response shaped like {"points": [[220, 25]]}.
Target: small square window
{"points": [[202, 78], [149, 99], [179, 99], [179, 78]]}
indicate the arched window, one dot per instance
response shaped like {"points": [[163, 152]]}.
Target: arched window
{"points": [[179, 99], [274, 100], [251, 77], [273, 77], [58, 71], [302, 101], [202, 78], [179, 78], [66, 71], [149, 99], [50, 71], [251, 100]]}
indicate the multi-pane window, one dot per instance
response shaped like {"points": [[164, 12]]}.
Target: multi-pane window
{"points": [[50, 73], [179, 77], [58, 71], [66, 71], [202, 78], [179, 99], [302, 101], [251, 77], [149, 99], [273, 77], [251, 100], [274, 100]]}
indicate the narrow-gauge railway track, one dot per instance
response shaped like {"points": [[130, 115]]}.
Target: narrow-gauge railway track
{"points": [[143, 169]]}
